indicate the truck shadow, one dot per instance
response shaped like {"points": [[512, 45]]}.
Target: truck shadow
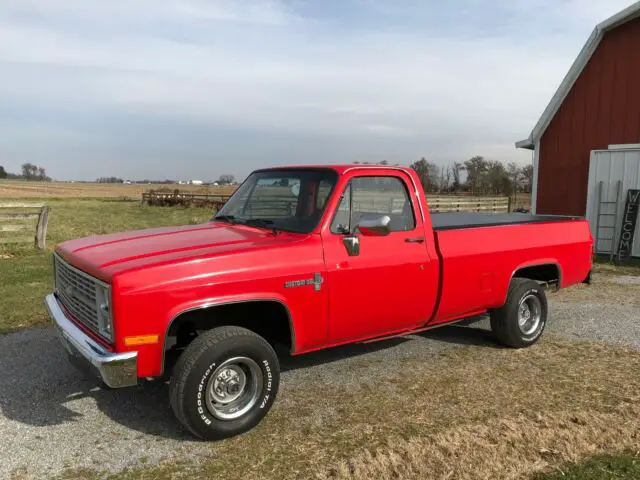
{"points": [[39, 388]]}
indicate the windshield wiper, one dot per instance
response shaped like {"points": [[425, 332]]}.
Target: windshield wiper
{"points": [[260, 222], [225, 218]]}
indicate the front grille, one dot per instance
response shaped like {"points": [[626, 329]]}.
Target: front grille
{"points": [[79, 293]]}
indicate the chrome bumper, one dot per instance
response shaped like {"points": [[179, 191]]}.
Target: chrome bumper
{"points": [[115, 369]]}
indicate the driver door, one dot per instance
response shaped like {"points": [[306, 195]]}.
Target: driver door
{"points": [[390, 285]]}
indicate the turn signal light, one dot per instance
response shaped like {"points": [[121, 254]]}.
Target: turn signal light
{"points": [[140, 340]]}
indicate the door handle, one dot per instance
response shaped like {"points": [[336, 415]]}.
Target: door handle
{"points": [[414, 240]]}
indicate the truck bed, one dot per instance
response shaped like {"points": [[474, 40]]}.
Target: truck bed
{"points": [[458, 220], [477, 264]]}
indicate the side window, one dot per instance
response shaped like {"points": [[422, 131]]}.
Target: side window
{"points": [[374, 196]]}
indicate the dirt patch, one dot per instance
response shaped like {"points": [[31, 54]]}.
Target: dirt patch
{"points": [[626, 280]]}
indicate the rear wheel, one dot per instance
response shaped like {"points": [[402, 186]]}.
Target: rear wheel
{"points": [[224, 383], [521, 320]]}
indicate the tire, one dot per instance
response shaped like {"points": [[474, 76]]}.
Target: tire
{"points": [[515, 328], [224, 383]]}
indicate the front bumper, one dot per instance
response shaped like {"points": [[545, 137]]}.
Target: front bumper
{"points": [[116, 370]]}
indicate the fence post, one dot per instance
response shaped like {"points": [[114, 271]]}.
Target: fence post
{"points": [[41, 229]]}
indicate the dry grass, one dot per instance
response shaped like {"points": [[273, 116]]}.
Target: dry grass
{"points": [[606, 289], [506, 449], [473, 412], [17, 189]]}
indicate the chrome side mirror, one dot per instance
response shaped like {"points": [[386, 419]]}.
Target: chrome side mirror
{"points": [[352, 244], [375, 227]]}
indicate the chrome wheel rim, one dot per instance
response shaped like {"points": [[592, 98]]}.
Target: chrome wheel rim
{"points": [[529, 314], [234, 388]]}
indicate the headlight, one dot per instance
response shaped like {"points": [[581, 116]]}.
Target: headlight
{"points": [[103, 301]]}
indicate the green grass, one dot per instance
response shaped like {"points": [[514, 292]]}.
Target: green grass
{"points": [[26, 273], [606, 467]]}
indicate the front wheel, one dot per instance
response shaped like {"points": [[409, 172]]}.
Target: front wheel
{"points": [[224, 383], [521, 320]]}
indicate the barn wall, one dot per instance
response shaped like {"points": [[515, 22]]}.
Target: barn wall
{"points": [[602, 108]]}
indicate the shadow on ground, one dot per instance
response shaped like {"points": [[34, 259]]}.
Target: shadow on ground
{"points": [[37, 383]]}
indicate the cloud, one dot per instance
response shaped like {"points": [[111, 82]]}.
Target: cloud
{"points": [[262, 80]]}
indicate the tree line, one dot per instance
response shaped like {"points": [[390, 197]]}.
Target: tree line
{"points": [[29, 172], [223, 180], [477, 176]]}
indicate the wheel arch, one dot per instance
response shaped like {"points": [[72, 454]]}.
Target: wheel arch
{"points": [[548, 271], [183, 314]]}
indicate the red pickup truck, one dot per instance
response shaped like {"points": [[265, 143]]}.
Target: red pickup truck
{"points": [[308, 257]]}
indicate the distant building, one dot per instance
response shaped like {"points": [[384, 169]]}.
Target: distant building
{"points": [[196, 182]]}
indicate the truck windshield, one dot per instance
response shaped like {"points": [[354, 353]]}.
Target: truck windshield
{"points": [[290, 200]]}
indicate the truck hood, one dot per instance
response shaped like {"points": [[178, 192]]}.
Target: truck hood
{"points": [[106, 255]]}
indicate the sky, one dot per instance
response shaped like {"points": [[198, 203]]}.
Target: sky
{"points": [[188, 89]]}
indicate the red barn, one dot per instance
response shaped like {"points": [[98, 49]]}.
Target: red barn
{"points": [[596, 105]]}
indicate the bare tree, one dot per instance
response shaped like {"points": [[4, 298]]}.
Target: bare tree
{"points": [[476, 168], [527, 178], [497, 179], [29, 171], [514, 172], [226, 179], [445, 178], [422, 170], [456, 168]]}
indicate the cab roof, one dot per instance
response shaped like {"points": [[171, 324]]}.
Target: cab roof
{"points": [[340, 169]]}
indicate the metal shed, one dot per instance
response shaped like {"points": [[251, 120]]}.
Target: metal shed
{"points": [[612, 173]]}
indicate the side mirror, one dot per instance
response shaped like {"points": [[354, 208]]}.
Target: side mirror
{"points": [[375, 227]]}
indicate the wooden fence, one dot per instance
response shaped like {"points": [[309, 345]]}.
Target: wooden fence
{"points": [[185, 199], [17, 218], [454, 203], [373, 199]]}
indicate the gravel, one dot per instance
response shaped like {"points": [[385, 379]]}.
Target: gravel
{"points": [[52, 418]]}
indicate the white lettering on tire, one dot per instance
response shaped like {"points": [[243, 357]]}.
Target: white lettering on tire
{"points": [[265, 399], [201, 385]]}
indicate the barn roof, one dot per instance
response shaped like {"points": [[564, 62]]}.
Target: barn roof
{"points": [[626, 15]]}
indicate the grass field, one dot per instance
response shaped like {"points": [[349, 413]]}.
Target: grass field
{"points": [[19, 189], [41, 190], [26, 273]]}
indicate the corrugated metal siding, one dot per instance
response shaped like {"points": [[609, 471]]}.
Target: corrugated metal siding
{"points": [[602, 108], [608, 167]]}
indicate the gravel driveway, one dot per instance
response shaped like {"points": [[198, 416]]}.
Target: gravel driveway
{"points": [[51, 418]]}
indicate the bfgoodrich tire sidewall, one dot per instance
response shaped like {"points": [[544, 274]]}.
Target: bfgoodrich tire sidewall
{"points": [[196, 412]]}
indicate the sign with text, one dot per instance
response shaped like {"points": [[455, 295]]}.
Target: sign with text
{"points": [[629, 220]]}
